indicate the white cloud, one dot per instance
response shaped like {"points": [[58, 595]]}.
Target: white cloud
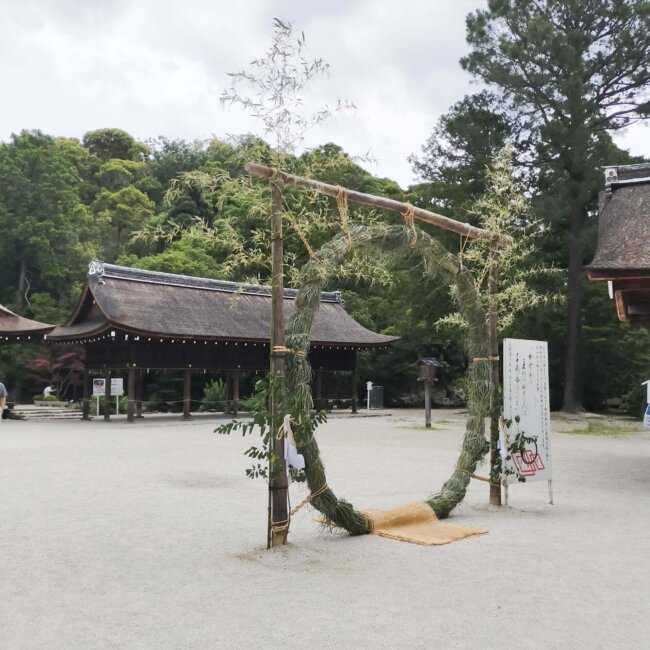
{"points": [[158, 68]]}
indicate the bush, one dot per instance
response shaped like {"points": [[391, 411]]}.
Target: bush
{"points": [[214, 395], [124, 404], [256, 402], [633, 402], [44, 398]]}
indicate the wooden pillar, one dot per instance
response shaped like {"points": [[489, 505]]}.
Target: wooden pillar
{"points": [[319, 390], [278, 525], [187, 385], [138, 394], [427, 403], [493, 278], [130, 395], [85, 400], [235, 392], [107, 394], [355, 381], [228, 391]]}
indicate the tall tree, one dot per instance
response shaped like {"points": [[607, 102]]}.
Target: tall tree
{"points": [[107, 144], [45, 227], [574, 69], [455, 157]]}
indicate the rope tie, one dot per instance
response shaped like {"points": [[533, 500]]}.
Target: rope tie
{"points": [[279, 526], [282, 349], [409, 220], [342, 204], [486, 358], [477, 477], [283, 525], [369, 522], [301, 235], [309, 498], [276, 179], [462, 249]]}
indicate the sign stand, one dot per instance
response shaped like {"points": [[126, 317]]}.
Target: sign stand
{"points": [[646, 415], [369, 387], [526, 406], [117, 389]]}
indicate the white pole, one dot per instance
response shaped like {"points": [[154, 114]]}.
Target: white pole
{"points": [[117, 405], [550, 492]]}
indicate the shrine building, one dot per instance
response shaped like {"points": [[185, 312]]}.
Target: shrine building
{"points": [[623, 255], [130, 321]]}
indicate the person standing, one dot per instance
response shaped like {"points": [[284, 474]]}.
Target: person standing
{"points": [[3, 400]]}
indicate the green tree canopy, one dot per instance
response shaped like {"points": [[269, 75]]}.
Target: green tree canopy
{"points": [[114, 143], [569, 69], [46, 229]]}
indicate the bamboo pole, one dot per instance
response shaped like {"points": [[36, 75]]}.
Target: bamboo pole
{"points": [[278, 483], [377, 202], [493, 344]]}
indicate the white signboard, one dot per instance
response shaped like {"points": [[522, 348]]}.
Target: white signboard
{"points": [[525, 395], [99, 386]]}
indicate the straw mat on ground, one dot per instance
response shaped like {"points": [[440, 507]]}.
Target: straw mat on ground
{"points": [[416, 523]]}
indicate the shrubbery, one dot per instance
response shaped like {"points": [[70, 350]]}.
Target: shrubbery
{"points": [[214, 395]]}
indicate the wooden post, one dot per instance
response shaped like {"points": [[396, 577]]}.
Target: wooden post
{"points": [[228, 392], [278, 526], [187, 385], [130, 395], [138, 394], [107, 394], [427, 402], [355, 381], [319, 390], [85, 400], [493, 344], [235, 392]]}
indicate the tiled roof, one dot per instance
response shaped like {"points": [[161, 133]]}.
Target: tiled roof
{"points": [[169, 305], [623, 229], [12, 325]]}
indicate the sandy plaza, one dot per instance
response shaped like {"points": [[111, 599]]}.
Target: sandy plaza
{"points": [[150, 536]]}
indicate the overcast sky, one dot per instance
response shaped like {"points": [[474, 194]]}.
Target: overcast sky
{"points": [[158, 67]]}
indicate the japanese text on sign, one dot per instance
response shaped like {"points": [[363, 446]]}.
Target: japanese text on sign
{"points": [[526, 396]]}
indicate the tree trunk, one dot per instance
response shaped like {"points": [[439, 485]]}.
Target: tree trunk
{"points": [[22, 284], [572, 402]]}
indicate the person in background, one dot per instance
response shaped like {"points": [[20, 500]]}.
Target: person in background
{"points": [[3, 400], [48, 390]]}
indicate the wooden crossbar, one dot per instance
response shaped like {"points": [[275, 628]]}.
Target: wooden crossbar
{"points": [[378, 202]]}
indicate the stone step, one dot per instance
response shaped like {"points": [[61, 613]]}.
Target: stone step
{"points": [[28, 412]]}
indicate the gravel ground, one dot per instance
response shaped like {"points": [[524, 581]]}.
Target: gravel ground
{"points": [[150, 536]]}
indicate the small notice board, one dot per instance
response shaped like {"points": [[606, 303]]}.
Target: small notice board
{"points": [[99, 386], [526, 396]]}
